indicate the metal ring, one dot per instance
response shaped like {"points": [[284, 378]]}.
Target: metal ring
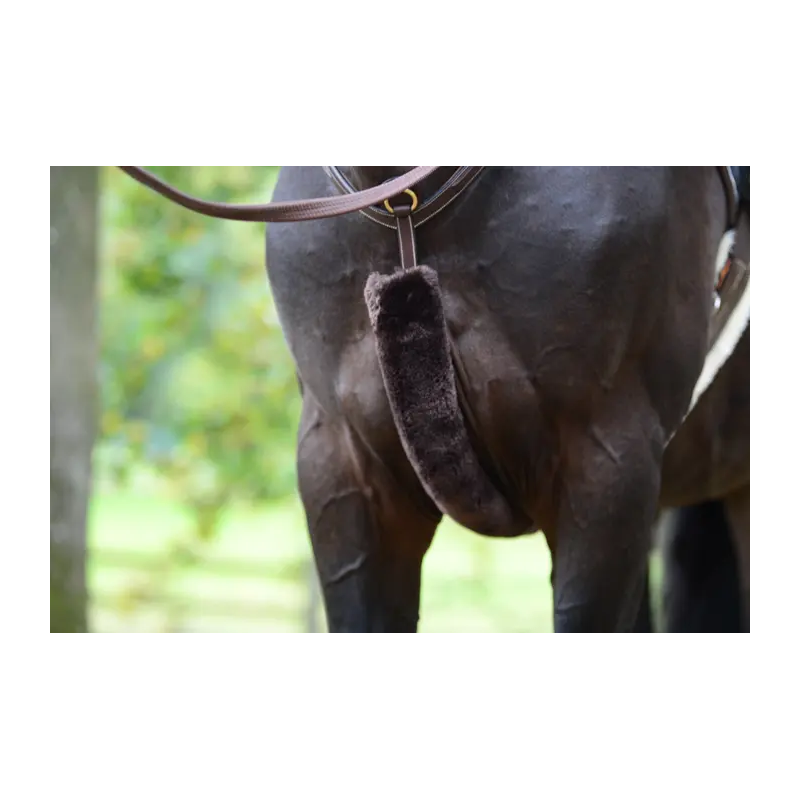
{"points": [[414, 202]]}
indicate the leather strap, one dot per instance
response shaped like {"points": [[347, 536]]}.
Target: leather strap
{"points": [[292, 211], [407, 241], [427, 209]]}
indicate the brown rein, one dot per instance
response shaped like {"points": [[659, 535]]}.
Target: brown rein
{"points": [[292, 211]]}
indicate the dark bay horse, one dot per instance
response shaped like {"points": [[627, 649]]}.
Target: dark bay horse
{"points": [[530, 377]]}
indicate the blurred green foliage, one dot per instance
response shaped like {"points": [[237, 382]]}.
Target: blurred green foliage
{"points": [[197, 382]]}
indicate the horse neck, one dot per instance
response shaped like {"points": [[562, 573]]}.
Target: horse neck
{"points": [[366, 177]]}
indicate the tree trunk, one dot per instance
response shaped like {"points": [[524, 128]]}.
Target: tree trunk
{"points": [[73, 344]]}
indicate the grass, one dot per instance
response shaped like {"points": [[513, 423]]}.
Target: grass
{"points": [[255, 575]]}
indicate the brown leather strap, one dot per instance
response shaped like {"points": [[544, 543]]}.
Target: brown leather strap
{"points": [[402, 209], [293, 211], [428, 207], [406, 239]]}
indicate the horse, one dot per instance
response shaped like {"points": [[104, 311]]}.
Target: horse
{"points": [[535, 371], [558, 366]]}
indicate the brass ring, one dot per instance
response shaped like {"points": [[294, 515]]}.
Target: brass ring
{"points": [[414, 202]]}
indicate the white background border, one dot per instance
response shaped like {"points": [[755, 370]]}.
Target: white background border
{"points": [[282, 717]]}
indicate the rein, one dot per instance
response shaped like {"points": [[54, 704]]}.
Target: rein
{"points": [[291, 211], [404, 215]]}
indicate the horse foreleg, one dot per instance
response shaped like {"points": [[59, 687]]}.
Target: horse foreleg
{"points": [[701, 589], [609, 495], [368, 541], [737, 509]]}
